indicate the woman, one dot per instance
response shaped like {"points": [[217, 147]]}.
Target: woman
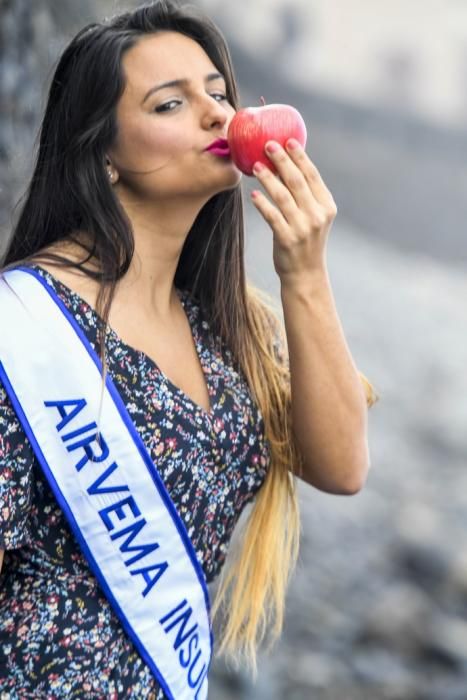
{"points": [[134, 227]]}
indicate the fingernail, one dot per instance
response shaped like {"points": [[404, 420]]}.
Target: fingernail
{"points": [[258, 167], [293, 143], [272, 147]]}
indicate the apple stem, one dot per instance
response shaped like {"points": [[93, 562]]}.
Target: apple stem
{"points": [[262, 100]]}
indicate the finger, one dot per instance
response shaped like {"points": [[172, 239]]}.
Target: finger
{"points": [[290, 174], [271, 214], [310, 172], [278, 191]]}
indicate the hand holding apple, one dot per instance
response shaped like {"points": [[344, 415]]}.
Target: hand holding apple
{"points": [[299, 209], [270, 140], [251, 128]]}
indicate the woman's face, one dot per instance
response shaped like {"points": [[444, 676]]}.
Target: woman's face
{"points": [[163, 131]]}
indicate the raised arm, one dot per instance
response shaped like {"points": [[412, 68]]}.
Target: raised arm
{"points": [[329, 406]]}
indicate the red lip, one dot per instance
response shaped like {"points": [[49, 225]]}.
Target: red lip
{"points": [[219, 145]]}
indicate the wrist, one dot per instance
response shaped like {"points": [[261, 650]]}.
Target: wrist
{"points": [[307, 283]]}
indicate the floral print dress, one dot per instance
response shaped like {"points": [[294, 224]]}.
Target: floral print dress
{"points": [[59, 637]]}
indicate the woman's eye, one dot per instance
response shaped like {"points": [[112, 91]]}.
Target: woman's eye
{"points": [[167, 106], [172, 104]]}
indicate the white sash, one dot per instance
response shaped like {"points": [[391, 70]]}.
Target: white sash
{"points": [[106, 484]]}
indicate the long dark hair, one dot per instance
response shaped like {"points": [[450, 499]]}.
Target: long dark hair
{"points": [[70, 192], [69, 189]]}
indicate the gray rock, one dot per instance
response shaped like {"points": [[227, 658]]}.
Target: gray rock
{"points": [[400, 618], [447, 640], [384, 670], [447, 690], [457, 575]]}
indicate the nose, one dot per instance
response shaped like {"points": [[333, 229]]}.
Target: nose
{"points": [[214, 114]]}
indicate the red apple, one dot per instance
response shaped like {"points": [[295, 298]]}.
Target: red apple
{"points": [[251, 128]]}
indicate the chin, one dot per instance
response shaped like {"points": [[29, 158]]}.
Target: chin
{"points": [[232, 185], [226, 183], [234, 177]]}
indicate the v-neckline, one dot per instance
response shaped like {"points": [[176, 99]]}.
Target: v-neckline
{"points": [[182, 295]]}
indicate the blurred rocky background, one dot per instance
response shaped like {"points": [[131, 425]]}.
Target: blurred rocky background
{"points": [[378, 607]]}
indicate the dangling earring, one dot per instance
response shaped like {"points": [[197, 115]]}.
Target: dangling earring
{"points": [[111, 174]]}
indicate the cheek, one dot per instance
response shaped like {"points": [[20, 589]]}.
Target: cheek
{"points": [[141, 146]]}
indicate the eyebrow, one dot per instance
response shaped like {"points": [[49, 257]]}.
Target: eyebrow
{"points": [[180, 82]]}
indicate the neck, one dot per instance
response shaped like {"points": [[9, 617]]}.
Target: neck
{"points": [[159, 233]]}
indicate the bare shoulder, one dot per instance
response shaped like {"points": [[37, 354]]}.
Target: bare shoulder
{"points": [[2, 552], [73, 278]]}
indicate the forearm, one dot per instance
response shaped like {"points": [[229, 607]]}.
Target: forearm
{"points": [[329, 410]]}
